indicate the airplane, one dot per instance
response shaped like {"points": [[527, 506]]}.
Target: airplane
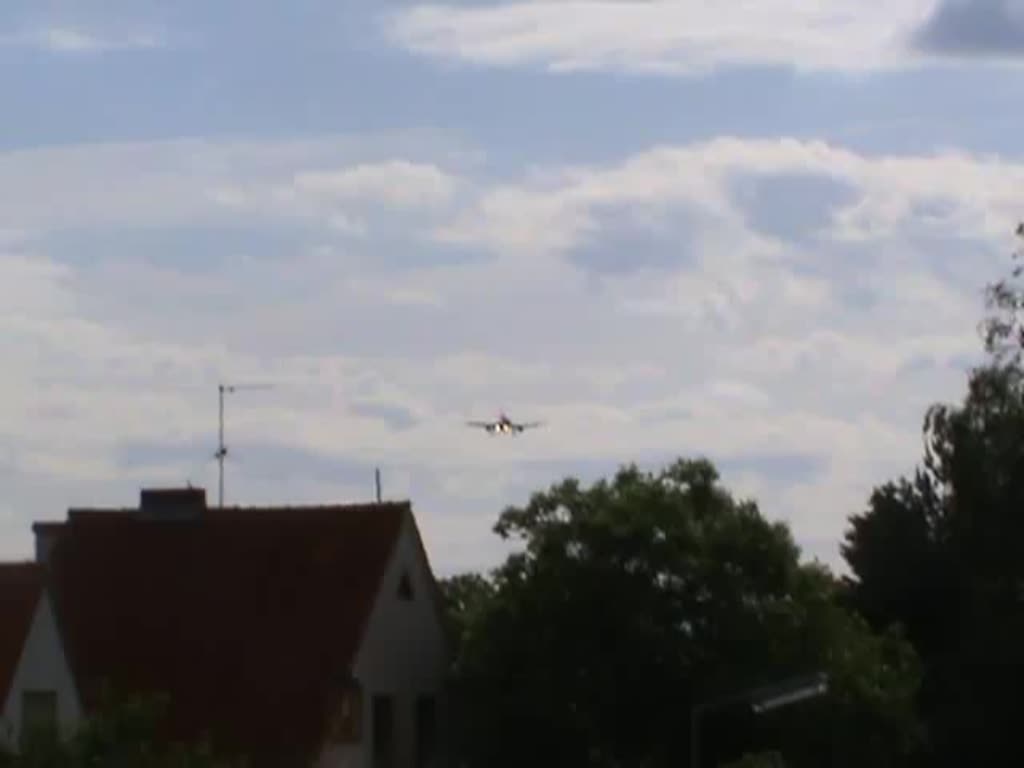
{"points": [[504, 425]]}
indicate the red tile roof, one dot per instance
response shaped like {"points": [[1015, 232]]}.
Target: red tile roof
{"points": [[248, 618], [21, 586]]}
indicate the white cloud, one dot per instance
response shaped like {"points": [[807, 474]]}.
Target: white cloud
{"points": [[747, 344], [387, 291], [673, 36], [340, 197], [30, 286], [982, 195], [64, 39], [179, 182], [399, 183]]}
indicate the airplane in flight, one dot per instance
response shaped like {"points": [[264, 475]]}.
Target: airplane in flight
{"points": [[503, 425]]}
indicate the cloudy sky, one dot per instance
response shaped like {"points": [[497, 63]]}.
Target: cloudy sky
{"points": [[757, 230]]}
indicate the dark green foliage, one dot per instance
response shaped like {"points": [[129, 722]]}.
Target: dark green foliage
{"points": [[124, 733], [759, 760], [1003, 329], [942, 555], [634, 598], [465, 595]]}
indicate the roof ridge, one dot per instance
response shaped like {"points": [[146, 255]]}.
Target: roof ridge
{"points": [[320, 505], [246, 507]]}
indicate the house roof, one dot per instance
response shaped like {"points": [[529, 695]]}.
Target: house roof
{"points": [[248, 618], [21, 586]]}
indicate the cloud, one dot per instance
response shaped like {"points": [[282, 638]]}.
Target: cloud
{"points": [[665, 36], [395, 416], [73, 40], [247, 462], [398, 183], [658, 305], [185, 181], [629, 239], [851, 203], [974, 28], [792, 207]]}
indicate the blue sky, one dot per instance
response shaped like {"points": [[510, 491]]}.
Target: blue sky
{"points": [[758, 231]]}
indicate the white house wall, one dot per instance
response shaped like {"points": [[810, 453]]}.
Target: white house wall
{"points": [[42, 666], [403, 654]]}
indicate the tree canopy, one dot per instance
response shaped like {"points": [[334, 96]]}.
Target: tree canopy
{"points": [[645, 594], [942, 553], [1003, 329]]}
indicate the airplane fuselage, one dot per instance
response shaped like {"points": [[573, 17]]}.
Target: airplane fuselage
{"points": [[504, 428]]}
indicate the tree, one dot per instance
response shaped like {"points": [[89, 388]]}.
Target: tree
{"points": [[943, 556], [1003, 329], [942, 553], [124, 732], [465, 595], [637, 597]]}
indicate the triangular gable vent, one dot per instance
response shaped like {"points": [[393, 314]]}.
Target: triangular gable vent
{"points": [[405, 586]]}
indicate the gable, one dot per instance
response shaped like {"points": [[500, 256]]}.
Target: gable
{"points": [[43, 670], [405, 642], [21, 586], [246, 618]]}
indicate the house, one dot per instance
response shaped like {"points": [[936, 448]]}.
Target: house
{"points": [[293, 636], [37, 690]]}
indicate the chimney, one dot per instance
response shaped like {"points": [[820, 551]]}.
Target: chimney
{"points": [[46, 537], [172, 503]]}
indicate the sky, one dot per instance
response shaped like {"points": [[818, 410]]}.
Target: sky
{"points": [[757, 231]]}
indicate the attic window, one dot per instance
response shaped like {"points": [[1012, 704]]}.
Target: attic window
{"points": [[405, 587]]}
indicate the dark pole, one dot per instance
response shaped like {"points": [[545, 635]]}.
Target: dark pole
{"points": [[376, 477], [695, 713], [221, 451]]}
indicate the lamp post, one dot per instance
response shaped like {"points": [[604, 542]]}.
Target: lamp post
{"points": [[760, 700]]}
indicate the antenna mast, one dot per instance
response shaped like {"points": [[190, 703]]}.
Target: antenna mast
{"points": [[222, 449], [376, 476]]}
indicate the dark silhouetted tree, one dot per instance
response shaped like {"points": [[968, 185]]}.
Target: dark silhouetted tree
{"points": [[942, 555], [644, 593], [465, 595], [1003, 329]]}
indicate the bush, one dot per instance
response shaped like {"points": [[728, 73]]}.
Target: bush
{"points": [[123, 733]]}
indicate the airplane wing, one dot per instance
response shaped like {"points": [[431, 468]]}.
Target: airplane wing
{"points": [[481, 424], [530, 425]]}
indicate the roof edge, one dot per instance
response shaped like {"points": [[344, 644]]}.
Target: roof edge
{"points": [[437, 598], [47, 525], [364, 623], [40, 589], [435, 589]]}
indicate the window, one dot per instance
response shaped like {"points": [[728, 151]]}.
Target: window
{"points": [[405, 586], [346, 722], [383, 731], [426, 732], [38, 714]]}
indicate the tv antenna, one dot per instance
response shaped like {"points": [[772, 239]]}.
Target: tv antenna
{"points": [[222, 449]]}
